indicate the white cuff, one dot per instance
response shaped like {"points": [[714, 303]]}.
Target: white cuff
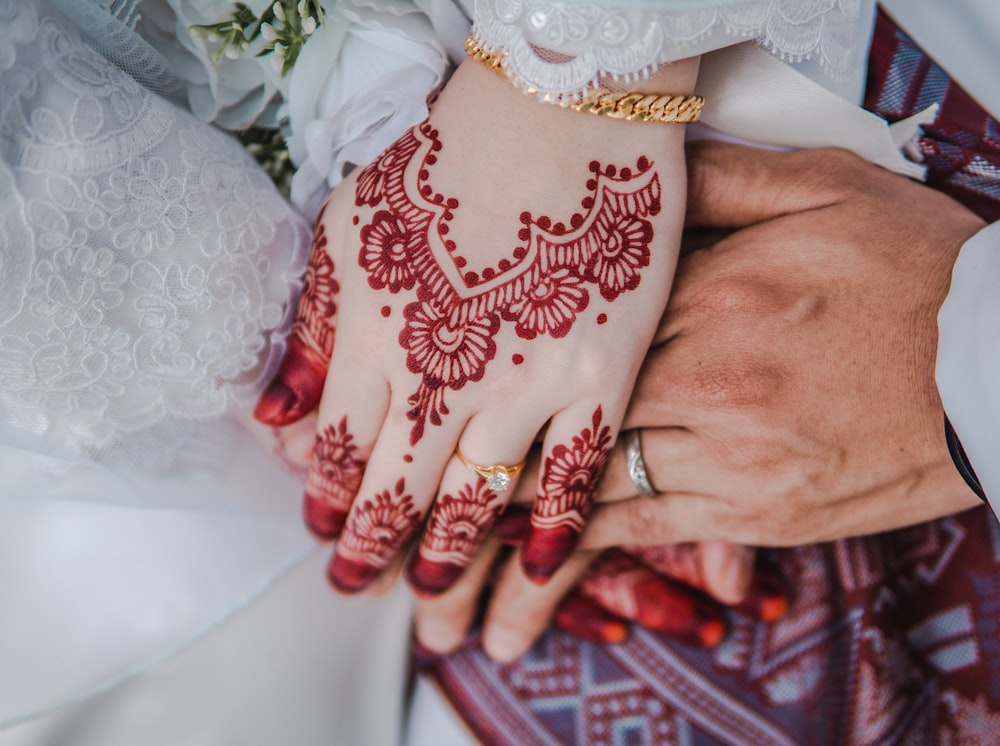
{"points": [[968, 362]]}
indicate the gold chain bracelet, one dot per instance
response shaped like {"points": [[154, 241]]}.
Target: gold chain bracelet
{"points": [[627, 105]]}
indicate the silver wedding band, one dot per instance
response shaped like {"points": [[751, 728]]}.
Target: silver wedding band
{"points": [[636, 464]]}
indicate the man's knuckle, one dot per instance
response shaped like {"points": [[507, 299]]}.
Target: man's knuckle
{"points": [[731, 384], [647, 523]]}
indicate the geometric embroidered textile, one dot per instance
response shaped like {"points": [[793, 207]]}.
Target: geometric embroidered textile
{"points": [[961, 148]]}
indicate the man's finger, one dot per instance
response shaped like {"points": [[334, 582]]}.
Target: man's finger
{"points": [[731, 186], [520, 610]]}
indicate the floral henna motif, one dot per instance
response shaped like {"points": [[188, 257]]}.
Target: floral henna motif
{"points": [[457, 527], [333, 481], [569, 477], [298, 384], [375, 532], [541, 287]]}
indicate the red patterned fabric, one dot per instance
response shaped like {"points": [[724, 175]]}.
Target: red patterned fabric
{"points": [[891, 639]]}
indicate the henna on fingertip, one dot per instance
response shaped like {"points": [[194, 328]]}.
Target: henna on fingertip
{"points": [[585, 618], [375, 532], [457, 527], [334, 478], [569, 478], [298, 384], [626, 587]]}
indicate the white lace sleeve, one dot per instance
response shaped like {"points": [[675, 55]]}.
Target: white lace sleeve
{"points": [[149, 267], [564, 48]]}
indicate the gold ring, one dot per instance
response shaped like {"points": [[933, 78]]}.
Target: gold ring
{"points": [[497, 476]]}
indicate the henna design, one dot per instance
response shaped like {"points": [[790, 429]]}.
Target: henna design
{"points": [[625, 587], [333, 481], [583, 617], [569, 477], [318, 304], [541, 288], [298, 384], [456, 529], [375, 531]]}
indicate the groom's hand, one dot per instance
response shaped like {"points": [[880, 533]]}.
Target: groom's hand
{"points": [[791, 396]]}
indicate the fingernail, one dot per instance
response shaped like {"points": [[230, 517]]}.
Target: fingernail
{"points": [[768, 599], [545, 550], [429, 578], [296, 389], [324, 520], [588, 620], [350, 576], [513, 525], [680, 613]]}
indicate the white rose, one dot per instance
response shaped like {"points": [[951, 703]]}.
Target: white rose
{"points": [[232, 94], [359, 83]]}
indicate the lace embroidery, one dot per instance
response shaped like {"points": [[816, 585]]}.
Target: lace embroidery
{"points": [[147, 271], [564, 48]]}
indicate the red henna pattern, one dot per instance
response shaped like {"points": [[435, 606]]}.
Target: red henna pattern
{"points": [[375, 532], [551, 304], [456, 529], [318, 304], [569, 477], [625, 587], [385, 252], [333, 481], [298, 383], [541, 288]]}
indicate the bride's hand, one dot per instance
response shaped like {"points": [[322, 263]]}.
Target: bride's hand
{"points": [[501, 270]]}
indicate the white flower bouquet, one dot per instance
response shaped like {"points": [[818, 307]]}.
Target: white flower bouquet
{"points": [[314, 87]]}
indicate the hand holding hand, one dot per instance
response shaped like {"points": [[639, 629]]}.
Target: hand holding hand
{"points": [[791, 398]]}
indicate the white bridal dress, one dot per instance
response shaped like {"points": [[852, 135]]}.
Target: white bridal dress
{"points": [[148, 274]]}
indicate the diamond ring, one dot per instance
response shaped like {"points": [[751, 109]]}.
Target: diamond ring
{"points": [[636, 464], [497, 476]]}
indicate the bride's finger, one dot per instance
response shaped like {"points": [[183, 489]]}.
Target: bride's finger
{"points": [[477, 485], [624, 586], [574, 459], [348, 425], [298, 384], [395, 492]]}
